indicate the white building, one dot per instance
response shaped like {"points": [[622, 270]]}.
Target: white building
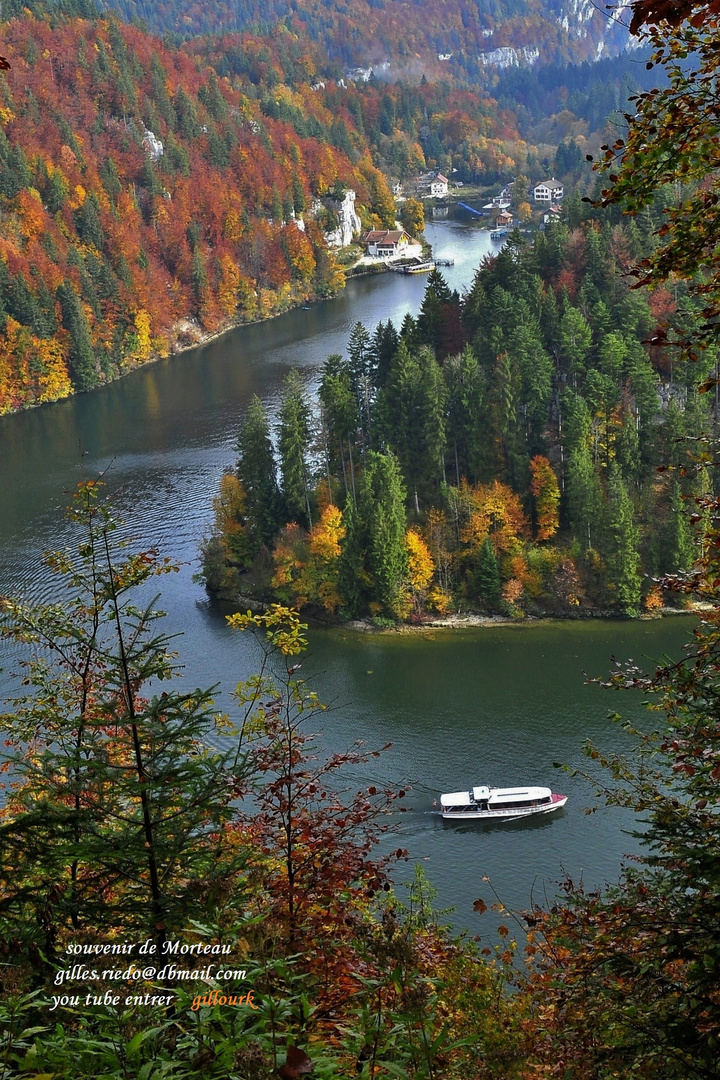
{"points": [[548, 191]]}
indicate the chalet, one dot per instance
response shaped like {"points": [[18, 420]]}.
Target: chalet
{"points": [[431, 185], [548, 191], [553, 213], [502, 200], [386, 243], [503, 219]]}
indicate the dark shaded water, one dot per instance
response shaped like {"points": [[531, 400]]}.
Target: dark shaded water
{"points": [[493, 705]]}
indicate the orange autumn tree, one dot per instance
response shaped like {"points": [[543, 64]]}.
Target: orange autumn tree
{"points": [[307, 564], [546, 493], [492, 510]]}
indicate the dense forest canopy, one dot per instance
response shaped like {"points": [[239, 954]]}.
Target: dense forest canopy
{"points": [[508, 439], [144, 199]]}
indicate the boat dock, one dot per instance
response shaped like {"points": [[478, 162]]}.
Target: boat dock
{"points": [[480, 213]]}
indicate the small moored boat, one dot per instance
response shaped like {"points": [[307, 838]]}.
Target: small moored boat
{"points": [[497, 804]]}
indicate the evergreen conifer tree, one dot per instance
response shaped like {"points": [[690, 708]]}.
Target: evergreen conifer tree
{"points": [[465, 389], [487, 575], [257, 471], [383, 508], [351, 571], [385, 342], [293, 442], [433, 313], [623, 558], [584, 498], [81, 359], [677, 544]]}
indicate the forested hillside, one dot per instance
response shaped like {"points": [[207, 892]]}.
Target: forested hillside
{"points": [[406, 38], [497, 452], [144, 201]]}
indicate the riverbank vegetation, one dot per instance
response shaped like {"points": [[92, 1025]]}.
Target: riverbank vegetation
{"points": [[500, 452]]}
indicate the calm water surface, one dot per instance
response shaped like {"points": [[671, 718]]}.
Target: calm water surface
{"points": [[493, 705]]}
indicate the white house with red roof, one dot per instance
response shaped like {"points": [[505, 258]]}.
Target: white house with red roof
{"points": [[387, 243]]}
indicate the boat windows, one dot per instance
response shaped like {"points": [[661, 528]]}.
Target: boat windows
{"points": [[524, 803]]}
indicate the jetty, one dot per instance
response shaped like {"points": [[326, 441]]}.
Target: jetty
{"points": [[480, 213]]}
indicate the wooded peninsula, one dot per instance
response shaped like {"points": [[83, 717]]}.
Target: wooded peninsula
{"points": [[518, 450]]}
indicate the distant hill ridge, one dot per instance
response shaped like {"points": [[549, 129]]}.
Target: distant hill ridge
{"points": [[406, 38]]}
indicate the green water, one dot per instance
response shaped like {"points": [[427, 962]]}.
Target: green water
{"points": [[500, 706]]}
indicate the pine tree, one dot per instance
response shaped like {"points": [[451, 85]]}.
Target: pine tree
{"points": [[465, 389], [584, 498], [385, 343], [434, 312], [487, 575], [81, 358], [623, 558], [362, 372], [574, 342], [677, 551], [341, 416], [87, 222], [293, 442], [352, 576], [382, 506], [257, 471], [412, 416]]}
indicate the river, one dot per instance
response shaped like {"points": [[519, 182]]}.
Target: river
{"points": [[496, 705]]}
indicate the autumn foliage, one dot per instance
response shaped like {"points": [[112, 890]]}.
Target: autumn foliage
{"points": [[146, 202]]}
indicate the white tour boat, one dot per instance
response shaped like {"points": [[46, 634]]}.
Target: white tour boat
{"points": [[498, 804]]}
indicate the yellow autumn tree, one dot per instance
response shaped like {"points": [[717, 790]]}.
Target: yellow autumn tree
{"points": [[492, 510], [142, 338], [230, 519], [546, 492], [307, 564], [421, 568], [32, 369], [228, 286]]}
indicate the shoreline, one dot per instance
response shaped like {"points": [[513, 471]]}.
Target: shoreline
{"points": [[187, 334], [474, 621], [468, 620]]}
